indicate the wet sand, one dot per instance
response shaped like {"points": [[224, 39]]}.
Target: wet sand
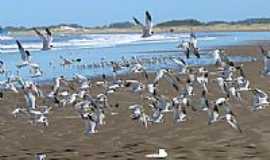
{"points": [[121, 138]]}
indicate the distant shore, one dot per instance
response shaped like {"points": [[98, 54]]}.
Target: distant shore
{"points": [[175, 29]]}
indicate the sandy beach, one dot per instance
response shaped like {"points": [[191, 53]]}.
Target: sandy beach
{"points": [[121, 138]]}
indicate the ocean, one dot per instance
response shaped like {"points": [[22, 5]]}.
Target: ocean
{"points": [[95, 48]]}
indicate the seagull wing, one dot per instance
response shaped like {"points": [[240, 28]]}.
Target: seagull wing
{"points": [[137, 22], [40, 34], [170, 79], [49, 36], [22, 51], [48, 32], [148, 21], [180, 62]]}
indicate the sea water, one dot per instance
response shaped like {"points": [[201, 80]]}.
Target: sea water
{"points": [[94, 48]]}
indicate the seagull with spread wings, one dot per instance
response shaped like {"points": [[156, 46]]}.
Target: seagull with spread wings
{"points": [[147, 27], [46, 38], [25, 55]]}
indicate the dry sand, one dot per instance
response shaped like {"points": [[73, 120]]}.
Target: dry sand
{"points": [[121, 138]]}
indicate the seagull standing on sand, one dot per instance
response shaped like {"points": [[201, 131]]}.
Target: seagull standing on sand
{"points": [[91, 122], [266, 55], [161, 154], [25, 55], [213, 114], [41, 156], [46, 39], [147, 27], [138, 114]]}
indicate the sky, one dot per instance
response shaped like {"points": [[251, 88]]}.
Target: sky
{"points": [[103, 12]]}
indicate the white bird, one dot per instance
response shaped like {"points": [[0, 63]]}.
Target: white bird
{"points": [[30, 99], [46, 39], [41, 156], [217, 57], [43, 120], [243, 84], [35, 70], [266, 55], [182, 64], [18, 110], [231, 120], [161, 154], [25, 55], [179, 112], [91, 122], [147, 27], [2, 67], [260, 99], [213, 115], [135, 85], [56, 86], [138, 68]]}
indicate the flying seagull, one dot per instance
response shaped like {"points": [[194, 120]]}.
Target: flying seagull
{"points": [[25, 55], [147, 27], [46, 38]]}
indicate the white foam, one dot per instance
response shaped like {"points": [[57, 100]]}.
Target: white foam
{"points": [[3, 38]]}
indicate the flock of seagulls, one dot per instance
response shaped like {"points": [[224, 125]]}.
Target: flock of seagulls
{"points": [[188, 81], [229, 77]]}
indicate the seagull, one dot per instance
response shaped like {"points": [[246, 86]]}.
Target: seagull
{"points": [[204, 103], [35, 70], [182, 64], [2, 67], [46, 39], [260, 99], [266, 61], [30, 99], [135, 85], [56, 86], [138, 114], [193, 39], [231, 120], [217, 57], [147, 28], [193, 49], [161, 154], [213, 114], [25, 55], [243, 84], [138, 68], [165, 73], [157, 116], [18, 110], [180, 113], [41, 156], [43, 120], [190, 46], [91, 122]]}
